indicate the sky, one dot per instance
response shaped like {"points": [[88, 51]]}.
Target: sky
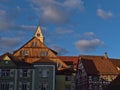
{"points": [[70, 27]]}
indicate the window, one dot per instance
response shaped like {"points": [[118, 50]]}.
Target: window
{"points": [[95, 78], [4, 86], [67, 87], [24, 73], [34, 44], [24, 86], [59, 65], [68, 78], [44, 86], [24, 52], [21, 53], [5, 72], [43, 53], [44, 72]]}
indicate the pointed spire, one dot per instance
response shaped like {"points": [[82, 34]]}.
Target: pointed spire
{"points": [[38, 34]]}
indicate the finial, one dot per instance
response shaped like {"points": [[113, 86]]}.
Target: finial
{"points": [[106, 55], [39, 22]]}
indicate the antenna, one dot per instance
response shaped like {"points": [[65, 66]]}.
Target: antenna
{"points": [[39, 22]]}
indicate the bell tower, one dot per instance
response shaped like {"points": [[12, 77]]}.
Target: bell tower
{"points": [[39, 35]]}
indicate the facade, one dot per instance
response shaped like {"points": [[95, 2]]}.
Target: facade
{"points": [[14, 74], [18, 75], [95, 72], [66, 78]]}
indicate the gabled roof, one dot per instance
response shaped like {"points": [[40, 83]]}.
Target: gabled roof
{"points": [[73, 59], [16, 61], [98, 65]]}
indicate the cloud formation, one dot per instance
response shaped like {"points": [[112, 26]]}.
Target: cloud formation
{"points": [[63, 31], [104, 14], [54, 11], [91, 43], [8, 44], [59, 50]]}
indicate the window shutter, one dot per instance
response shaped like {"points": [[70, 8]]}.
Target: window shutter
{"points": [[11, 86], [11, 72], [20, 71]]}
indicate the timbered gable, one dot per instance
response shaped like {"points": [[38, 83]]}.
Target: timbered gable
{"points": [[35, 50]]}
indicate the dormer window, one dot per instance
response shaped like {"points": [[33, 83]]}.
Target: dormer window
{"points": [[26, 52]]}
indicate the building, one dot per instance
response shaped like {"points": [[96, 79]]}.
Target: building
{"points": [[19, 75], [65, 79], [35, 67], [14, 74], [95, 72]]}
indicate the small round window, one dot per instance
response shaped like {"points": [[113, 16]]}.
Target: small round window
{"points": [[38, 34]]}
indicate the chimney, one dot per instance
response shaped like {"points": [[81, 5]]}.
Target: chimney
{"points": [[106, 55]]}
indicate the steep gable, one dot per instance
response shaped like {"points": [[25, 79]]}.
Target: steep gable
{"points": [[35, 50]]}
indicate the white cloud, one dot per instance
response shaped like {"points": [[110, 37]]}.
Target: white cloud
{"points": [[62, 31], [74, 4], [88, 43], [104, 14], [54, 11], [53, 14]]}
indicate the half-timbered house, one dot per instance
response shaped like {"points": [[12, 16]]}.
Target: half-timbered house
{"points": [[95, 72]]}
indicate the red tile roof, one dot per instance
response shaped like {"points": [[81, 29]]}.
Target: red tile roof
{"points": [[73, 59], [116, 62], [98, 65]]}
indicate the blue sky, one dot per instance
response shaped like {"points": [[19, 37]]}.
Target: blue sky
{"points": [[71, 27]]}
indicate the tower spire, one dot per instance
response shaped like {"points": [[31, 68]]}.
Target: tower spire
{"points": [[38, 34]]}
